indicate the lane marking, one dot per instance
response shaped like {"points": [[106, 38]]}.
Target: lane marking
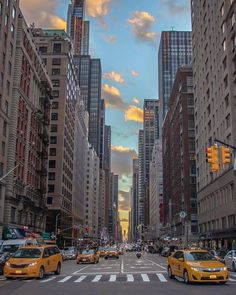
{"points": [[233, 275], [232, 280], [48, 280], [97, 278], [156, 264], [145, 277], [100, 272], [78, 271], [112, 278], [65, 279], [161, 277], [122, 265], [80, 279], [140, 267], [130, 278]]}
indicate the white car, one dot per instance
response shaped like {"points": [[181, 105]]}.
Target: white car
{"points": [[230, 260]]}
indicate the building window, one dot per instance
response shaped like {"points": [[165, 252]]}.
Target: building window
{"points": [[55, 83], [54, 116], [56, 72], [52, 164], [43, 49], [55, 105], [57, 48], [53, 128], [13, 214], [4, 130], [3, 148], [6, 109], [49, 200], [224, 45], [56, 61], [13, 12], [12, 30], [51, 176], [1, 8], [228, 121], [53, 152], [233, 19], [51, 188], [53, 140], [55, 93], [6, 20], [1, 169]]}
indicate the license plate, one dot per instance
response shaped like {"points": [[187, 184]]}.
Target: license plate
{"points": [[84, 259], [212, 277], [18, 271]]}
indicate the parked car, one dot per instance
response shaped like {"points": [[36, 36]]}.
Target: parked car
{"points": [[33, 262], [197, 266], [87, 256], [69, 253], [230, 260], [3, 259]]}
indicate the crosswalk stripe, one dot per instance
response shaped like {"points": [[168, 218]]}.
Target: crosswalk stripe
{"points": [[233, 275], [97, 279], [65, 279], [145, 277], [48, 280], [232, 280], [2, 279], [130, 278], [112, 278], [161, 277], [80, 279]]}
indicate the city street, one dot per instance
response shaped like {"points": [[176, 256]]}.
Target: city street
{"points": [[128, 275]]}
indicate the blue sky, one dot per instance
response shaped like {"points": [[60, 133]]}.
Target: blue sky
{"points": [[124, 34]]}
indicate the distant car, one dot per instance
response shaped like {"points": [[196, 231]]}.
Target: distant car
{"points": [[165, 252], [11, 246], [3, 259], [112, 253], [69, 253], [230, 260], [87, 256], [101, 251]]}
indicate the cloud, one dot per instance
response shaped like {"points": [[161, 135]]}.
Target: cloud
{"points": [[122, 160], [141, 23], [43, 13], [113, 98], [134, 73], [124, 201], [110, 39], [136, 100], [176, 7], [114, 77], [134, 114], [98, 9]]}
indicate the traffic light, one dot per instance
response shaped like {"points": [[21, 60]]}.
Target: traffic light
{"points": [[225, 155], [212, 157]]}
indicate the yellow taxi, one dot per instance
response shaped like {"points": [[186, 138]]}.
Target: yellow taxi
{"points": [[196, 266], [87, 256], [101, 251], [111, 253], [34, 262]]}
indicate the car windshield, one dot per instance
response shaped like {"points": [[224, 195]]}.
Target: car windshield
{"points": [[27, 253], [200, 256], [10, 248], [86, 252], [111, 249], [101, 249], [69, 249]]}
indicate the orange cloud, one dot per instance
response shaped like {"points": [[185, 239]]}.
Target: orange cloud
{"points": [[136, 100], [113, 98], [114, 77], [121, 149], [134, 73], [97, 8], [141, 23], [134, 114], [42, 13]]}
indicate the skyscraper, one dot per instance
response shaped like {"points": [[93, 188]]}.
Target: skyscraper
{"points": [[135, 199], [175, 50], [151, 134], [141, 196], [214, 68], [75, 22], [85, 38]]}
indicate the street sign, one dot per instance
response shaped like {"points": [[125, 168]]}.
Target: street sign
{"points": [[182, 214]]}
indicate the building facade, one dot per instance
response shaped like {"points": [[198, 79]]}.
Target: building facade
{"points": [[156, 192], [134, 217], [214, 89], [179, 164], [29, 110], [10, 12], [175, 50], [141, 196], [56, 51]]}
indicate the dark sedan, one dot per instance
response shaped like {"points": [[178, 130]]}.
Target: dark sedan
{"points": [[3, 259]]}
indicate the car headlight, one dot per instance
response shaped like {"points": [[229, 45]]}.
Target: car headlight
{"points": [[223, 268], [196, 268], [32, 264], [7, 263]]}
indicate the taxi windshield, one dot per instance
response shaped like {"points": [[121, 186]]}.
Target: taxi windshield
{"points": [[88, 252], [200, 256], [112, 249], [10, 248], [27, 253]]}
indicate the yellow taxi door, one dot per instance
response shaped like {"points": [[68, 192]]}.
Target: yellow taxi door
{"points": [[180, 264], [46, 260]]}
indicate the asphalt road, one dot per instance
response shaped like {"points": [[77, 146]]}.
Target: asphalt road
{"points": [[126, 275]]}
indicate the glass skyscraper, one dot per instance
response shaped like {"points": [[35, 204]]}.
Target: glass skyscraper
{"points": [[175, 51]]}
